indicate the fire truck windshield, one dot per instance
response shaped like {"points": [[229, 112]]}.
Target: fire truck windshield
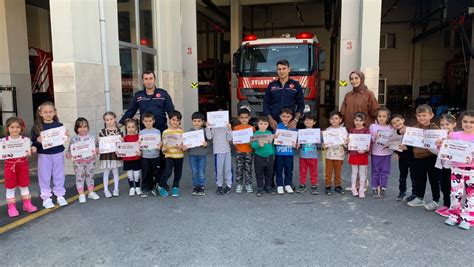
{"points": [[261, 59]]}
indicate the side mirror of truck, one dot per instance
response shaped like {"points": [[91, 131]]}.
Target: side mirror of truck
{"points": [[236, 62], [322, 60]]}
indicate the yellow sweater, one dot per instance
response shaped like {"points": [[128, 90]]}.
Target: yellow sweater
{"points": [[174, 136]]}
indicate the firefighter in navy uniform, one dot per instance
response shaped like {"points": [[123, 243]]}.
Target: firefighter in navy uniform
{"points": [[283, 93], [150, 99], [154, 100]]}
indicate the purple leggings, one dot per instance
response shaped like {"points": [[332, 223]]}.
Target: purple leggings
{"points": [[51, 165], [380, 170]]}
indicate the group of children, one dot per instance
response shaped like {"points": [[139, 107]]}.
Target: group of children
{"points": [[268, 159]]}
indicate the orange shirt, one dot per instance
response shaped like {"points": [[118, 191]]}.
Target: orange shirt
{"points": [[244, 148]]}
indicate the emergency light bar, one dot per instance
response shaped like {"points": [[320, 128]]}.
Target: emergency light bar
{"points": [[250, 37], [305, 35]]}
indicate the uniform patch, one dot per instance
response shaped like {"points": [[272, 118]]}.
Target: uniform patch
{"points": [[158, 95]]}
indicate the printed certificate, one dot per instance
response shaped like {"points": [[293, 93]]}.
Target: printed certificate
{"points": [[193, 138], [172, 140], [265, 138], [309, 136], [108, 144], [286, 137], [242, 136], [218, 119], [83, 149], [431, 136], [383, 137], [334, 137], [395, 142], [128, 149], [457, 151], [413, 137], [53, 137], [14, 148], [359, 142], [149, 141]]}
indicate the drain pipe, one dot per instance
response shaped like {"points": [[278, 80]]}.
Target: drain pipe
{"points": [[105, 62]]}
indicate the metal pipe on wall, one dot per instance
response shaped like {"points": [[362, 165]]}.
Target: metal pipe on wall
{"points": [[105, 62]]}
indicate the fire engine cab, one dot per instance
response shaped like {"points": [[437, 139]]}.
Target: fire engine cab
{"points": [[255, 66]]}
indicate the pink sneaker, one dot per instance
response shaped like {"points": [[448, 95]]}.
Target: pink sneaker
{"points": [[443, 211]]}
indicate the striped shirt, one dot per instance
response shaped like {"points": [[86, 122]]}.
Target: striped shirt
{"points": [[220, 139]]}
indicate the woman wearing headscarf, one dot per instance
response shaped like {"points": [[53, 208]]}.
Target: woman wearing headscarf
{"points": [[360, 99]]}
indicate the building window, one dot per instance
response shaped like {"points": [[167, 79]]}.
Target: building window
{"points": [[126, 20], [146, 23], [387, 40], [137, 44]]}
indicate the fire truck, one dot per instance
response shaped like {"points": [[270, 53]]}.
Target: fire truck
{"points": [[255, 66]]}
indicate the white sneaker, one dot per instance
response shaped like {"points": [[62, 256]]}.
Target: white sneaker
{"points": [[82, 198], [280, 190], [288, 189], [48, 203], [131, 192], [62, 201], [93, 195], [107, 194], [249, 188], [431, 206], [238, 189], [416, 202], [115, 193], [138, 191]]}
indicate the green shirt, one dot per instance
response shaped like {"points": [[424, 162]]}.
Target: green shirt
{"points": [[267, 150]]}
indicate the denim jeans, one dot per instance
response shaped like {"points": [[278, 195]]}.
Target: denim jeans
{"points": [[198, 169], [284, 164]]}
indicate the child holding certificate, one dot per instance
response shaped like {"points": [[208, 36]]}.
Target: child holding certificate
{"points": [[308, 159], [335, 154], [264, 159], [244, 155], [132, 164], [110, 161], [424, 163], [446, 122], [221, 138], [51, 160], [359, 159], [462, 179], [284, 156], [17, 172], [197, 158], [83, 167], [381, 156], [405, 161], [150, 161], [174, 155]]}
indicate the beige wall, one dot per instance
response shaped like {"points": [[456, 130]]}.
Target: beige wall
{"points": [[397, 64]]}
